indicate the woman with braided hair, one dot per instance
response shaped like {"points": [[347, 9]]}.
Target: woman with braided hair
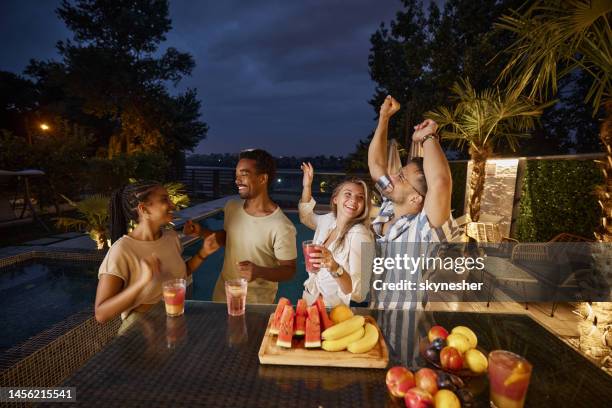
{"points": [[137, 263]]}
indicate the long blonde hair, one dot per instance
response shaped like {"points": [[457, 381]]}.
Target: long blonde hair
{"points": [[363, 218]]}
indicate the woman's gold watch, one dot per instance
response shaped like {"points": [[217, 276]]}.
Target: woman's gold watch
{"points": [[339, 272]]}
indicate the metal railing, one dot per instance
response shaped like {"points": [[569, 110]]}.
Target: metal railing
{"points": [[215, 182]]}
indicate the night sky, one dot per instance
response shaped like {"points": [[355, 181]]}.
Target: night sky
{"points": [[288, 76]]}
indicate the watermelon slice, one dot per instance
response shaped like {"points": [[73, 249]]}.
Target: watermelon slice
{"points": [[282, 302], [326, 322], [300, 317], [313, 328], [285, 333]]}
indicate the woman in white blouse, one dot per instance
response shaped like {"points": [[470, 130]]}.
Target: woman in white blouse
{"points": [[339, 235]]}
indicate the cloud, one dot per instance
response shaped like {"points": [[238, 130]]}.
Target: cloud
{"points": [[290, 76]]}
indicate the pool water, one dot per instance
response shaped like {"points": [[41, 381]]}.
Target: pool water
{"points": [[205, 277], [35, 295]]}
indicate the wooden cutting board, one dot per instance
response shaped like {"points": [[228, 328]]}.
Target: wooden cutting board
{"points": [[298, 355]]}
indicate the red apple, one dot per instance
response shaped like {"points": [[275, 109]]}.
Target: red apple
{"points": [[427, 380], [437, 332], [399, 380], [417, 398], [451, 359]]}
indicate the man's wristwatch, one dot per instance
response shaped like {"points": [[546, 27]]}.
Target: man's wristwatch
{"points": [[339, 272]]}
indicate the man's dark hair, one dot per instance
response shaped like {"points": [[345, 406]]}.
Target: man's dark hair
{"points": [[421, 181], [264, 162]]}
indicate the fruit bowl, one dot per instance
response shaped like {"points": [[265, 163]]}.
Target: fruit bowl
{"points": [[463, 372]]}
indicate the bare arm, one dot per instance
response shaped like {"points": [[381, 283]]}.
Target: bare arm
{"points": [[211, 242], [305, 211], [437, 173], [377, 152], [283, 272], [112, 299]]}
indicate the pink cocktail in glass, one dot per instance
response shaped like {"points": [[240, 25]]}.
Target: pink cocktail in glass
{"points": [[235, 294], [509, 376], [174, 296], [309, 247]]}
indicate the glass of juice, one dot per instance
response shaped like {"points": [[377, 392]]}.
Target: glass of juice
{"points": [[235, 294], [309, 247], [509, 376], [174, 296]]}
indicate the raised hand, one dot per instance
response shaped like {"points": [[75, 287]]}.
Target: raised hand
{"points": [[308, 171], [192, 228], [423, 129], [389, 107], [213, 240]]}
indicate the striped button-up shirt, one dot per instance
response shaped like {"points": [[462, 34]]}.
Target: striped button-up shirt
{"points": [[410, 234]]}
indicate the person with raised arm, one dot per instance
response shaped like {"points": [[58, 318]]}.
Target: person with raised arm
{"points": [[339, 236], [416, 206]]}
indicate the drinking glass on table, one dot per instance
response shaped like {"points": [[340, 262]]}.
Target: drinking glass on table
{"points": [[509, 376], [235, 294], [309, 247], [174, 296]]}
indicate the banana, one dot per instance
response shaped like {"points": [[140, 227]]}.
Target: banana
{"points": [[341, 344], [343, 329], [367, 342]]}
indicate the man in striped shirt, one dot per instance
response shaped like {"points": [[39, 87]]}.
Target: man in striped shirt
{"points": [[416, 209]]}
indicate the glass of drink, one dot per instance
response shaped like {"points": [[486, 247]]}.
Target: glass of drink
{"points": [[509, 376], [309, 247], [174, 296], [235, 294]]}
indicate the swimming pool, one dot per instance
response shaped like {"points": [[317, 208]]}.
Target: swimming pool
{"points": [[205, 277], [37, 294]]}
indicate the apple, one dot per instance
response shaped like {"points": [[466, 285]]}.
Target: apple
{"points": [[417, 398], [437, 332], [446, 399], [427, 380], [451, 359], [458, 341], [468, 333], [399, 380]]}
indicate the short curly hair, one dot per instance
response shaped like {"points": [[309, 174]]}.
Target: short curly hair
{"points": [[264, 162]]}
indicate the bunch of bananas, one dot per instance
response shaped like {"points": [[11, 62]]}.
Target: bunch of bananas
{"points": [[354, 335]]}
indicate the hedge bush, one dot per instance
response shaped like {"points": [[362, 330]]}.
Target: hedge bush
{"points": [[558, 196]]}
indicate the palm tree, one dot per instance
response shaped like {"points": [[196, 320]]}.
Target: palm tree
{"points": [[553, 38], [483, 120], [93, 211]]}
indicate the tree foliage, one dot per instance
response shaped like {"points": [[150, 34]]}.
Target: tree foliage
{"points": [[419, 55], [113, 77]]}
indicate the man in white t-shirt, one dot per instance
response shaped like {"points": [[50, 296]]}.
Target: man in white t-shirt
{"points": [[260, 243]]}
